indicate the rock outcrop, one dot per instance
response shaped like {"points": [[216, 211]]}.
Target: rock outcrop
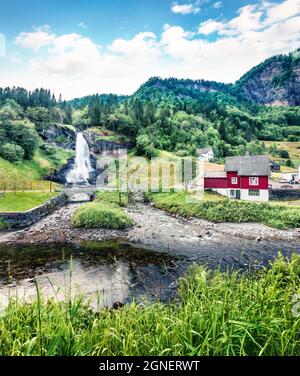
{"points": [[60, 134], [275, 82], [100, 146]]}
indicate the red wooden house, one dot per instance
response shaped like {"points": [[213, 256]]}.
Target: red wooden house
{"points": [[245, 178]]}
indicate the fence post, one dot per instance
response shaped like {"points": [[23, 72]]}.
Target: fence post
{"points": [[15, 188]]}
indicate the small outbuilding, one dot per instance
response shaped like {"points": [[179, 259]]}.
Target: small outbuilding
{"points": [[205, 154]]}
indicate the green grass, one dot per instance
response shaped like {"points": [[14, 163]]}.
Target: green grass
{"points": [[55, 158], [225, 210], [112, 198], [101, 215], [290, 204], [27, 169], [28, 174], [294, 151], [215, 314], [23, 201]]}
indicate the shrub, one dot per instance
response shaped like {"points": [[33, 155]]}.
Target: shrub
{"points": [[293, 138], [61, 139], [289, 163], [284, 154], [3, 224], [12, 152], [101, 215]]}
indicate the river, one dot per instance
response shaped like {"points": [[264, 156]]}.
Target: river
{"points": [[144, 262]]}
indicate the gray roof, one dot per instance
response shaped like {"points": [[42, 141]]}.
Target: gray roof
{"points": [[249, 165], [204, 150], [215, 174]]}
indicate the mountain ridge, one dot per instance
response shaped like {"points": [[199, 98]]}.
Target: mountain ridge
{"points": [[275, 82]]}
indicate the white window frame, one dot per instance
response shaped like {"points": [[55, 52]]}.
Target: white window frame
{"points": [[234, 180], [254, 192], [232, 193], [253, 180]]}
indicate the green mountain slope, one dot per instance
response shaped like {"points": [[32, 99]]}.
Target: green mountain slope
{"points": [[276, 81]]}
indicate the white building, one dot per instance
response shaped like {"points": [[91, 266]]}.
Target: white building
{"points": [[205, 154]]}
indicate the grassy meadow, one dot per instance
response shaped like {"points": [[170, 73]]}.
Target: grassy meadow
{"points": [[27, 175], [23, 201], [293, 149]]}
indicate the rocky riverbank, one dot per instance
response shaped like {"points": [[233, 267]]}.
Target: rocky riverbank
{"points": [[158, 222], [153, 228], [56, 228]]}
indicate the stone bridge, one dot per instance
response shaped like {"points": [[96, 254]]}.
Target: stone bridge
{"points": [[87, 191]]}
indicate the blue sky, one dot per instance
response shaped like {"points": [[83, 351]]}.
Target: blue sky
{"points": [[81, 47]]}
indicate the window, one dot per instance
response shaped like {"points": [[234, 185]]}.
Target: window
{"points": [[232, 194], [253, 192], [253, 181], [234, 180]]}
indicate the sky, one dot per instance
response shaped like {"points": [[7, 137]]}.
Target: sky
{"points": [[81, 47]]}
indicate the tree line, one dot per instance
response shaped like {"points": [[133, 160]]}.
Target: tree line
{"points": [[174, 115]]}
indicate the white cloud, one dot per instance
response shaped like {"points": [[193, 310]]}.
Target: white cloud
{"points": [[283, 11], [69, 54], [142, 43], [185, 8], [210, 26], [218, 5], [249, 18], [76, 65], [253, 17], [41, 37], [177, 43], [83, 25]]}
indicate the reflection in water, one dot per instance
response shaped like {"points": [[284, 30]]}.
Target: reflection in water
{"points": [[101, 286], [107, 272]]}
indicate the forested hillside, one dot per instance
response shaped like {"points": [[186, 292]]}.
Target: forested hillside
{"points": [[24, 118], [163, 114], [183, 115]]}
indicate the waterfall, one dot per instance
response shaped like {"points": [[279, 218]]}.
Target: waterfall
{"points": [[82, 169]]}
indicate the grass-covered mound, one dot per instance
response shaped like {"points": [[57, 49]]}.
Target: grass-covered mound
{"points": [[101, 215], [217, 314], [227, 210]]}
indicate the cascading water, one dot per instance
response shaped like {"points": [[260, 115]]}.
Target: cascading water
{"points": [[82, 169]]}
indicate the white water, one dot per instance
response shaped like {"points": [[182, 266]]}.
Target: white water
{"points": [[82, 169]]}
